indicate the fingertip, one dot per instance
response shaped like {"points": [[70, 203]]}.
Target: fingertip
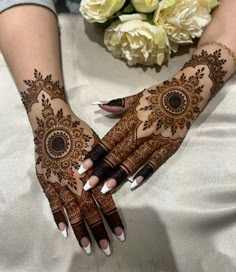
{"points": [[63, 228], [112, 109], [119, 232], [137, 181], [105, 246], [108, 186], [86, 245], [91, 182]]}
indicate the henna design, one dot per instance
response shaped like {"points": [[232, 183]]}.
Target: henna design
{"points": [[61, 143], [175, 103], [155, 125], [30, 96], [215, 63]]}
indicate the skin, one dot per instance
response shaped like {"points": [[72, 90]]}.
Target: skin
{"points": [[220, 29], [25, 46]]}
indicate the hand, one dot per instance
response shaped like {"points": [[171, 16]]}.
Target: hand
{"points": [[61, 142], [155, 121]]}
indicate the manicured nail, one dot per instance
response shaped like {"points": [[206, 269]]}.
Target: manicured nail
{"points": [[99, 103], [64, 233], [121, 237], [82, 170], [137, 181], [62, 227], [105, 189], [88, 249], [87, 186], [107, 251], [131, 179]]}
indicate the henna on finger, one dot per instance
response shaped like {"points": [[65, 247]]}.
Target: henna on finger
{"points": [[54, 202], [156, 160], [74, 214]]}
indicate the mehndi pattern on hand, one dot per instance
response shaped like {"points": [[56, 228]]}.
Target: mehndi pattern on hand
{"points": [[157, 121], [61, 142]]}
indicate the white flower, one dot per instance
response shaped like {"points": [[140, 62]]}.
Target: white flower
{"points": [[183, 20], [145, 6], [100, 10], [138, 42], [209, 4]]}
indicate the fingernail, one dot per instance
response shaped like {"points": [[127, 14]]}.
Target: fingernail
{"points": [[88, 249], [87, 186], [82, 170], [107, 251], [105, 189], [99, 102], [137, 181], [62, 227], [121, 237]]}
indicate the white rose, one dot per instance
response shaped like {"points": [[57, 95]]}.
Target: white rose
{"points": [[100, 10], [209, 4], [138, 42], [183, 20], [145, 6]]}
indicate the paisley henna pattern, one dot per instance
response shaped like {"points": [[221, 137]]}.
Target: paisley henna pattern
{"points": [[159, 118], [61, 142]]}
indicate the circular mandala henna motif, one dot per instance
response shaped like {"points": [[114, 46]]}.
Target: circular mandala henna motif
{"points": [[60, 143], [174, 103]]}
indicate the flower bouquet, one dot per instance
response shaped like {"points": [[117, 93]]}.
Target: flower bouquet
{"points": [[147, 31]]}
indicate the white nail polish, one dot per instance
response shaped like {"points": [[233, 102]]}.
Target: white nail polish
{"points": [[107, 251], [121, 237], [87, 186], [105, 189], [88, 249], [134, 184], [82, 170], [64, 233], [131, 179], [97, 103]]}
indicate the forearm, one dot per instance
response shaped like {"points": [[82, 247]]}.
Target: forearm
{"points": [[29, 40]]}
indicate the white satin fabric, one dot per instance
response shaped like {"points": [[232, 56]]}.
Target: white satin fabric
{"points": [[183, 219]]}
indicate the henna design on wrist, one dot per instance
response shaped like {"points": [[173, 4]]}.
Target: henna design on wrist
{"points": [[30, 96], [215, 63]]}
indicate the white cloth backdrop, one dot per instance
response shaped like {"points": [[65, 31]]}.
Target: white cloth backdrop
{"points": [[183, 219]]}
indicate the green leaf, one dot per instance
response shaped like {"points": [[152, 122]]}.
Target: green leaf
{"points": [[128, 9]]}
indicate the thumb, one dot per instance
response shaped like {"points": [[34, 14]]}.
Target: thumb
{"points": [[119, 105]]}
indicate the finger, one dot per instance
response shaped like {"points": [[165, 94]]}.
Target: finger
{"points": [[110, 140], [117, 155], [55, 204], [119, 105], [93, 217], [76, 220], [156, 160], [110, 212], [131, 164]]}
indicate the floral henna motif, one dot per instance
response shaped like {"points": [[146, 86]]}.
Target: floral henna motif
{"points": [[155, 125], [60, 143], [30, 96], [215, 64], [175, 103]]}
